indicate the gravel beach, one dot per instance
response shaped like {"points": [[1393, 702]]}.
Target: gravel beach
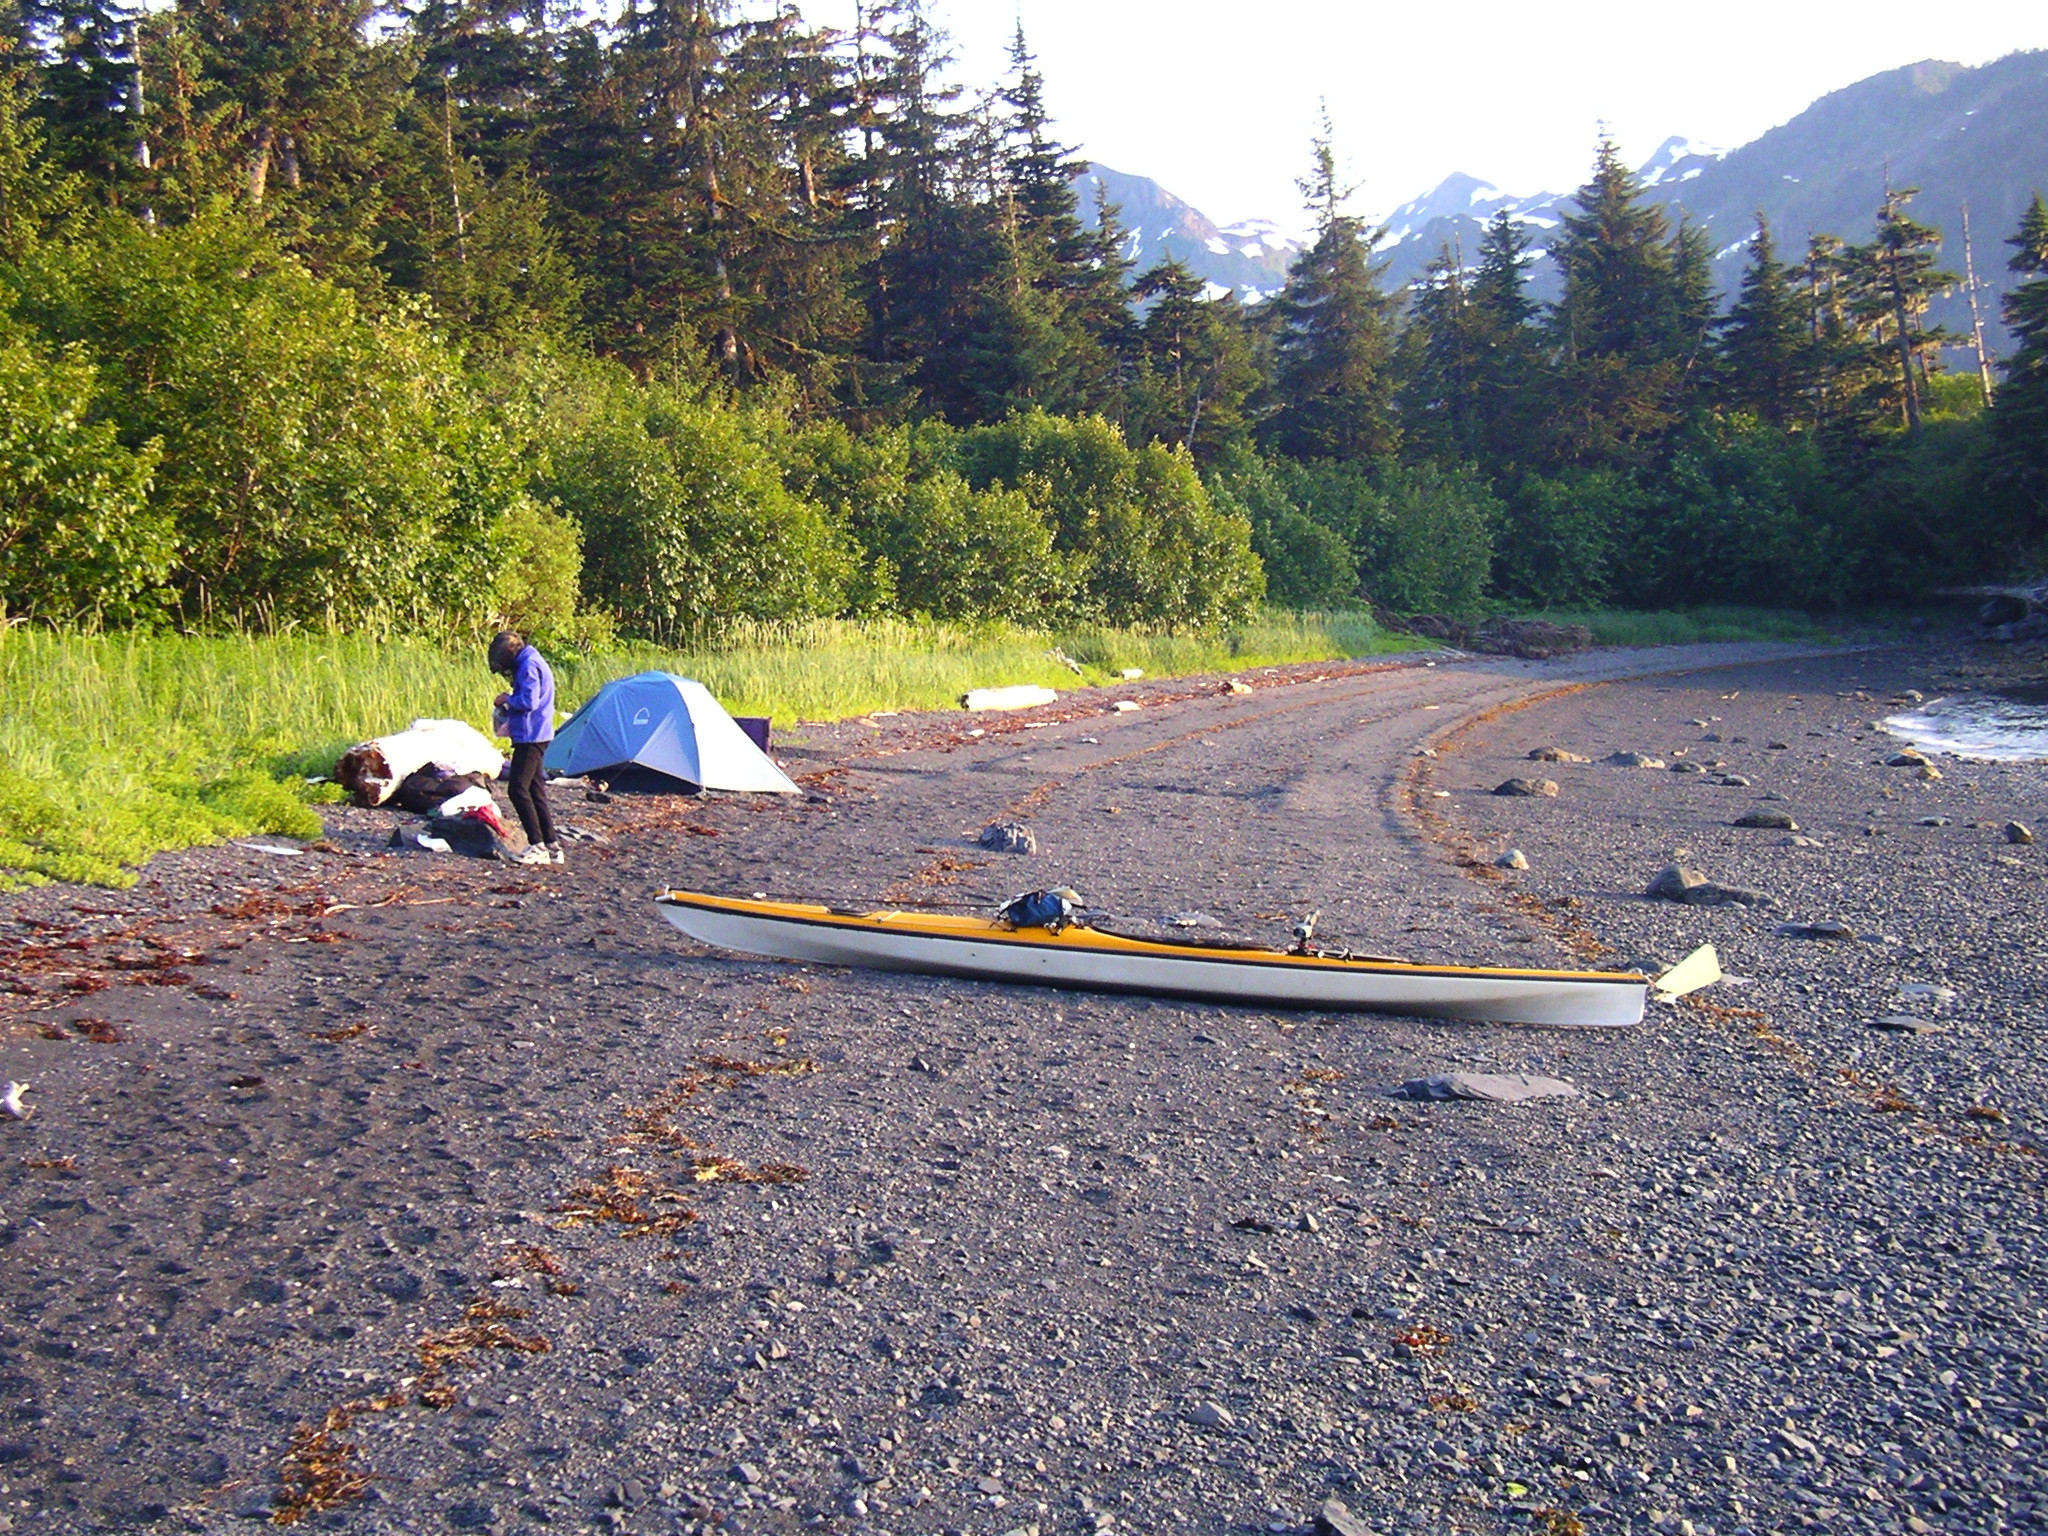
{"points": [[384, 1192]]}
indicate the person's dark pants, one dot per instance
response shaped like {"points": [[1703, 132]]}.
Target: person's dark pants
{"points": [[530, 791]]}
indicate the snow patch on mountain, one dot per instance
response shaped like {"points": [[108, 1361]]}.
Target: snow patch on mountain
{"points": [[1678, 159]]}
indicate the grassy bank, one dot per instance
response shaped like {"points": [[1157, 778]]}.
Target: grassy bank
{"points": [[114, 747], [1691, 626]]}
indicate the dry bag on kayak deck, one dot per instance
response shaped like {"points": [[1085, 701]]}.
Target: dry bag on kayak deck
{"points": [[1052, 910]]}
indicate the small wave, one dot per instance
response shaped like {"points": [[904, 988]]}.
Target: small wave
{"points": [[1981, 727]]}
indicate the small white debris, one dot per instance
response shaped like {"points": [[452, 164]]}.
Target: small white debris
{"points": [[1125, 706], [10, 1102], [1698, 970], [1023, 696]]}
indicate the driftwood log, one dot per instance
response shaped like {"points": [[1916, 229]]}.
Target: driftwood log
{"points": [[1531, 638]]}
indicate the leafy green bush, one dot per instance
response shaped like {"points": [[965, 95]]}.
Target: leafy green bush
{"points": [[1142, 541], [1410, 538], [1429, 541], [540, 567], [1561, 536], [1740, 514], [317, 465], [77, 535], [686, 521], [963, 554], [1309, 565]]}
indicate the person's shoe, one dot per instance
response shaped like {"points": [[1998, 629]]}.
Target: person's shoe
{"points": [[555, 854], [536, 853]]}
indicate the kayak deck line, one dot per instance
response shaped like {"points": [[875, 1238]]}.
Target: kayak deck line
{"points": [[1091, 959]]}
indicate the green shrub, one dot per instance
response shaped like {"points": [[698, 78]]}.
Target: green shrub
{"points": [[961, 554], [1308, 564], [1428, 544], [686, 521], [1142, 542], [77, 534], [317, 464], [1415, 538], [540, 568], [1561, 536], [1740, 515]]}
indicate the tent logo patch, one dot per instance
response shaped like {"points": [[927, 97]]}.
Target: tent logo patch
{"points": [[640, 717]]}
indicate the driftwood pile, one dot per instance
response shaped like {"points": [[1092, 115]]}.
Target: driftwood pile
{"points": [[2013, 613], [1531, 638]]}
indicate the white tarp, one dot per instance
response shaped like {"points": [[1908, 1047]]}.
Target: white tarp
{"points": [[453, 745]]}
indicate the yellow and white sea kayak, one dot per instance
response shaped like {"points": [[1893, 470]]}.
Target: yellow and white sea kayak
{"points": [[989, 950]]}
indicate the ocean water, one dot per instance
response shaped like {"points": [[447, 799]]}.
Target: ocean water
{"points": [[2006, 727]]}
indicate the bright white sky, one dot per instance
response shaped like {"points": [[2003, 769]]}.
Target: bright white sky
{"points": [[1217, 101]]}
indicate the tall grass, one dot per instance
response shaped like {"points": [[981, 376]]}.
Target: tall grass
{"points": [[114, 747]]}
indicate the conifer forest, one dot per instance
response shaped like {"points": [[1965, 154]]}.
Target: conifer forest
{"points": [[338, 314]]}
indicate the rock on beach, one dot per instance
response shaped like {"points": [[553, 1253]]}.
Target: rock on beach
{"points": [[1683, 884]]}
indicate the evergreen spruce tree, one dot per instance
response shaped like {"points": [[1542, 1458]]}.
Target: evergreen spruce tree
{"points": [[797, 244], [1194, 368], [1101, 305], [1510, 361], [1054, 310], [1444, 358], [287, 106], [1845, 367], [33, 195], [87, 94], [1332, 394], [1766, 350], [938, 250], [491, 61], [2019, 412], [1896, 280], [1500, 287], [1627, 325], [467, 222], [1696, 311]]}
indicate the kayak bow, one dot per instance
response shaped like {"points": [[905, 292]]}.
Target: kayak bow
{"points": [[1086, 958]]}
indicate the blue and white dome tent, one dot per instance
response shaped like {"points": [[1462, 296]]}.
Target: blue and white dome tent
{"points": [[671, 725]]}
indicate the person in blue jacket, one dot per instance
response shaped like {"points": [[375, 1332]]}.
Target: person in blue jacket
{"points": [[529, 713]]}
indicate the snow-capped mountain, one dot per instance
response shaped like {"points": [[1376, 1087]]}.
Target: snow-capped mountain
{"points": [[1965, 137], [1678, 161], [1250, 257], [1457, 197]]}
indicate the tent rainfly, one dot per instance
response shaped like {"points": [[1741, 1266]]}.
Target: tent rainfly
{"points": [[670, 724]]}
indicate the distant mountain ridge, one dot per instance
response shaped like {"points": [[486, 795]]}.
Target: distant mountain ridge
{"points": [[1970, 136], [1250, 257]]}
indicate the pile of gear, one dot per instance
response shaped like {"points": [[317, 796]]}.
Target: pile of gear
{"points": [[442, 770]]}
